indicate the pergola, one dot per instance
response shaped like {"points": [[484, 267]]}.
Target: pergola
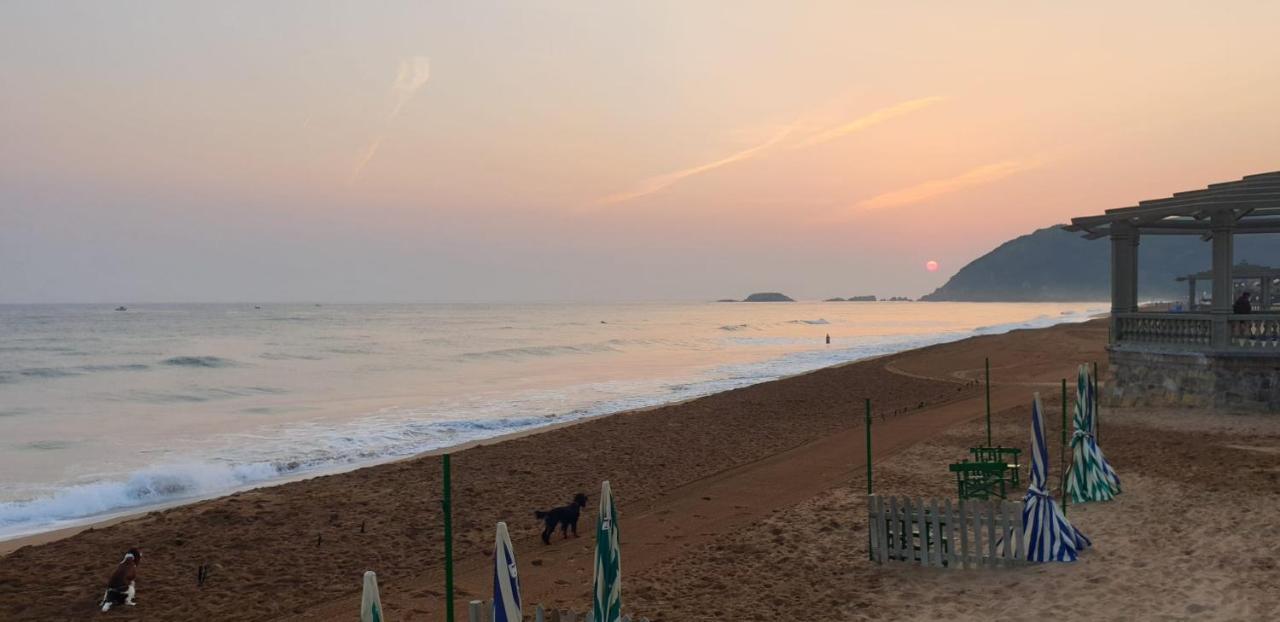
{"points": [[1265, 276], [1216, 213]]}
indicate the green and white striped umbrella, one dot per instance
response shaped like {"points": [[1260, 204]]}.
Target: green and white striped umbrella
{"points": [[370, 602], [1091, 477], [606, 592]]}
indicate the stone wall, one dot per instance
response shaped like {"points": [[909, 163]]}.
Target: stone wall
{"points": [[1223, 381]]}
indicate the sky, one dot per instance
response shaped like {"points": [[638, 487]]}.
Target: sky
{"points": [[576, 151]]}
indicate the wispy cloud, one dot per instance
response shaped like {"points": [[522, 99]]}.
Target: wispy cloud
{"points": [[654, 184], [363, 159], [937, 187], [822, 135], [870, 120], [411, 75], [410, 78]]}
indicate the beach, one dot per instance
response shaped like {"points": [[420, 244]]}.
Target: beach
{"points": [[745, 504]]}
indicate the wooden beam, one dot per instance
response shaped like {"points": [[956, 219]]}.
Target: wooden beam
{"points": [[1240, 225], [1199, 211]]}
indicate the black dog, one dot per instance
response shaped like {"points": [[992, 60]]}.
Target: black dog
{"points": [[565, 516]]}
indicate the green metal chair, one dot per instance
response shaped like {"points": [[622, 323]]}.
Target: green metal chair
{"points": [[1011, 457], [981, 480]]}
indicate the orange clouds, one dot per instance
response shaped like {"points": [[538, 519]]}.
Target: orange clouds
{"points": [[871, 120], [660, 182], [937, 187], [654, 184]]}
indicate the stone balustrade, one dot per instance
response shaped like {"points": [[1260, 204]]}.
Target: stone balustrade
{"points": [[1196, 332]]}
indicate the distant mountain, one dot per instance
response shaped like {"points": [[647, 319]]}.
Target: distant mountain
{"points": [[768, 297], [1055, 265]]}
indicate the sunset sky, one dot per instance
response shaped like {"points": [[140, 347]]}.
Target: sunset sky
{"points": [[477, 151]]}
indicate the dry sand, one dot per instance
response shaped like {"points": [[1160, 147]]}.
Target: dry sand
{"points": [[744, 505]]}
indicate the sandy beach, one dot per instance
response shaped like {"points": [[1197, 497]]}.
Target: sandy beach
{"points": [[742, 505]]}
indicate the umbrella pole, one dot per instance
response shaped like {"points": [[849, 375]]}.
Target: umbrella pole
{"points": [[1097, 403], [867, 425], [447, 504], [1062, 487], [986, 364]]}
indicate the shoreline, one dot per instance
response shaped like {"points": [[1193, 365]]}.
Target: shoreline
{"points": [[53, 535], [68, 527], [721, 461]]}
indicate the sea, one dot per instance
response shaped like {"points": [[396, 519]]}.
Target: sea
{"points": [[106, 411]]}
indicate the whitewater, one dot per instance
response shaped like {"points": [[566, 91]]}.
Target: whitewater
{"points": [[105, 412]]}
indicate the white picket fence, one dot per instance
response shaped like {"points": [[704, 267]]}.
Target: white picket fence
{"points": [[482, 611], [967, 534]]}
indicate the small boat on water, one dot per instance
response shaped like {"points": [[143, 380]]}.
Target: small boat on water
{"points": [[122, 308]]}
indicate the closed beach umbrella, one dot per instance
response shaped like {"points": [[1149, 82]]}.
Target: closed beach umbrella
{"points": [[1091, 477], [1047, 535], [506, 583], [370, 602], [606, 592]]}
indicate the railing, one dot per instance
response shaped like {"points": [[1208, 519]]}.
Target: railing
{"points": [[1259, 332], [1171, 329], [1255, 332]]}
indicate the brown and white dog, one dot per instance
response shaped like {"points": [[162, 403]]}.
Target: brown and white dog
{"points": [[120, 588]]}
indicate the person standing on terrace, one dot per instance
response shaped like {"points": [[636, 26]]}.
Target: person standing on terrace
{"points": [[1242, 305]]}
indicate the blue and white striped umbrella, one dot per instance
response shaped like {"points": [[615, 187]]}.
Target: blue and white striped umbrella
{"points": [[1091, 477], [1046, 534], [506, 582]]}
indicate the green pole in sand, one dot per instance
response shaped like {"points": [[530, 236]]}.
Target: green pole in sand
{"points": [[867, 425], [1064, 412], [447, 506], [1097, 405], [1062, 487], [986, 363]]}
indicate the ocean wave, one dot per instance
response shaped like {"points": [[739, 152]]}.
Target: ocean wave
{"points": [[735, 327], [109, 368], [355, 444], [537, 351], [46, 372], [54, 349], [159, 484], [198, 395], [817, 321], [199, 361], [47, 445], [351, 350], [285, 356]]}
